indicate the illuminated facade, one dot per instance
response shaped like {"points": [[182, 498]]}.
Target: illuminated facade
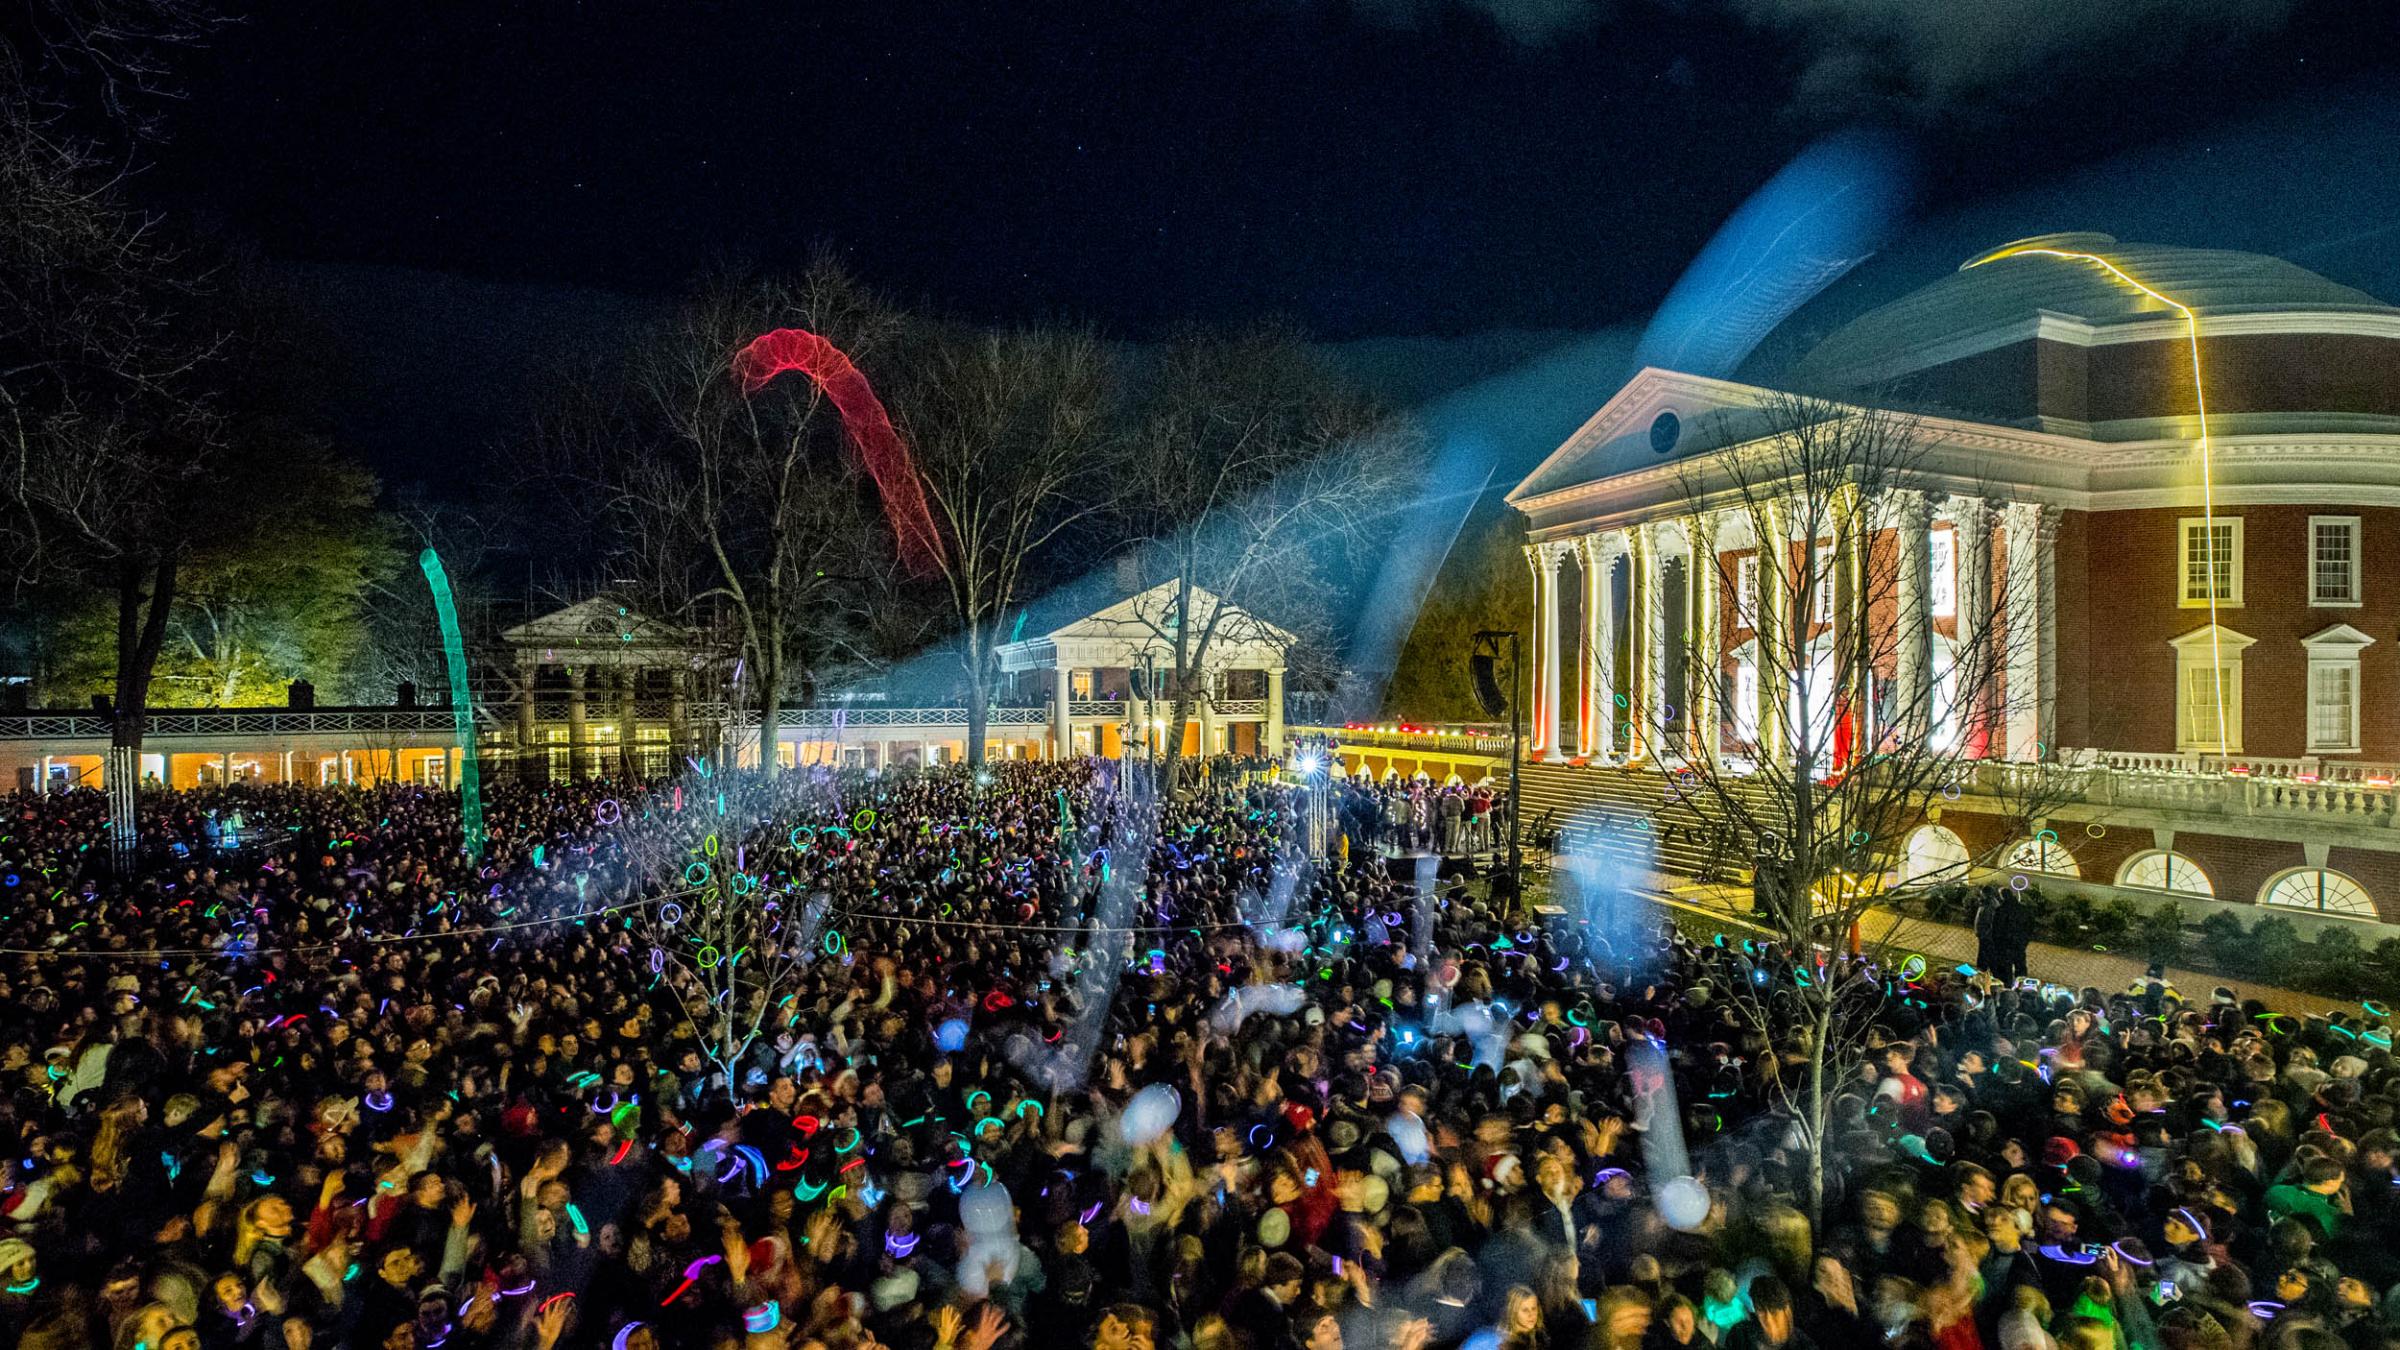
{"points": [[2186, 460]]}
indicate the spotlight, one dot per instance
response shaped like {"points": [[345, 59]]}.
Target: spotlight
{"points": [[1307, 764]]}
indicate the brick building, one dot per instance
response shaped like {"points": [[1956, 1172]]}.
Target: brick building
{"points": [[2177, 469]]}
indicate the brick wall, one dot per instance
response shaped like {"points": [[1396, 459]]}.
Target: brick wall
{"points": [[2121, 601]]}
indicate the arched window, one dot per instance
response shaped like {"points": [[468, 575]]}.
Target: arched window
{"points": [[2042, 853], [2160, 870], [1933, 852], [2319, 890]]}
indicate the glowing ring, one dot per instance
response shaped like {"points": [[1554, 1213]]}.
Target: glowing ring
{"points": [[609, 811], [794, 836], [1623, 701], [670, 913], [1913, 968], [2019, 883], [701, 879], [658, 960], [743, 883], [2046, 836], [864, 820], [1950, 792], [1393, 919], [2095, 830], [709, 957], [835, 944], [2374, 1009], [1860, 838]]}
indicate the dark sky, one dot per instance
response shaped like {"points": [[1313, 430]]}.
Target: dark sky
{"points": [[1370, 168]]}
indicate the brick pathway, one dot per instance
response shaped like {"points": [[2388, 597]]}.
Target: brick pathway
{"points": [[1946, 944]]}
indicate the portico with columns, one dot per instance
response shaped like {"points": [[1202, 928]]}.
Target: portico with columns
{"points": [[1679, 651], [1108, 682]]}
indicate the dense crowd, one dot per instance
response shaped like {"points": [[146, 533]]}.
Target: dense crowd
{"points": [[1070, 1065]]}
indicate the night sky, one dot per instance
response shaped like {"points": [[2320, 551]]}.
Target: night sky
{"points": [[456, 183]]}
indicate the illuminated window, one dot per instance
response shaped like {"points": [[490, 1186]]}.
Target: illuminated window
{"points": [[2212, 561], [1745, 699], [2333, 571], [2207, 661], [1745, 592], [1945, 696], [1079, 685], [2319, 890], [2161, 870], [1824, 606], [1933, 854], [2042, 854], [2333, 688], [1942, 576]]}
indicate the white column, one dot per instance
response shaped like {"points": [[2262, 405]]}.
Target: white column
{"points": [[1273, 746], [1773, 603], [1973, 649], [447, 781], [2021, 600], [2045, 564], [1595, 732], [225, 768], [1137, 715], [1704, 665], [1912, 538], [1206, 707], [1062, 728], [41, 785], [287, 766], [1650, 704], [1546, 561], [1541, 607]]}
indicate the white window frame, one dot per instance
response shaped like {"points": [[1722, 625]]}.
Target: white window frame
{"points": [[2266, 894], [2333, 652], [2043, 857], [1745, 696], [2193, 652], [2186, 597], [1941, 573], [2317, 599], [1745, 591], [1821, 606], [2178, 868]]}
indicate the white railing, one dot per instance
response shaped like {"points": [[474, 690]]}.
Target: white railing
{"points": [[1467, 740], [1240, 707], [48, 726], [2298, 788], [835, 719]]}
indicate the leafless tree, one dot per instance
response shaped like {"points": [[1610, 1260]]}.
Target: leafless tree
{"points": [[1253, 468], [1789, 528], [1012, 443], [724, 510]]}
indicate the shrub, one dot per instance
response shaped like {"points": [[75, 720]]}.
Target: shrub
{"points": [[2274, 953], [2335, 960], [2158, 934], [2223, 940]]}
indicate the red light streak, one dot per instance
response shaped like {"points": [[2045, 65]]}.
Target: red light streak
{"points": [[863, 416]]}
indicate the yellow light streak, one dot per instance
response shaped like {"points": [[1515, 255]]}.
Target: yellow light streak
{"points": [[2208, 509]]}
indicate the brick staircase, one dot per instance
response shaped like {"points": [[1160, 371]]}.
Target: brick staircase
{"points": [[1634, 817]]}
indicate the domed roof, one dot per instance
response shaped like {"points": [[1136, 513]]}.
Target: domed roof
{"points": [[2003, 290]]}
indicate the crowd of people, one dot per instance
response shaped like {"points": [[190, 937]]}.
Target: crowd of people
{"points": [[1069, 1063]]}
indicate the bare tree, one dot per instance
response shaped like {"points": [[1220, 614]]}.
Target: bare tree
{"points": [[729, 511], [1013, 447], [1253, 471], [1819, 745], [727, 945]]}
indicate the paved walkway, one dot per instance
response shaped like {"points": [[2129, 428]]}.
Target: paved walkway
{"points": [[1946, 944]]}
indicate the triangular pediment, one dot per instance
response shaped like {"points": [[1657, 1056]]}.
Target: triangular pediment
{"points": [[1658, 417], [2338, 640], [2201, 639], [597, 622]]}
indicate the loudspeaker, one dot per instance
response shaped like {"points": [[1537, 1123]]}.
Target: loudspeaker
{"points": [[1141, 682], [1487, 683]]}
